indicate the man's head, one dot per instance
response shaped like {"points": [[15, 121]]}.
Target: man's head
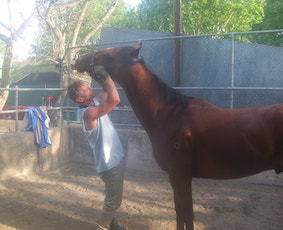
{"points": [[80, 92]]}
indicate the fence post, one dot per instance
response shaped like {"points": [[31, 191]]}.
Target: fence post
{"points": [[61, 117], [17, 107], [232, 72], [177, 43], [69, 80]]}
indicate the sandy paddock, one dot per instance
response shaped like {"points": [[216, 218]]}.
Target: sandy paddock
{"points": [[70, 199]]}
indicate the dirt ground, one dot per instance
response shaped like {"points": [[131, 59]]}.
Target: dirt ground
{"points": [[71, 198]]}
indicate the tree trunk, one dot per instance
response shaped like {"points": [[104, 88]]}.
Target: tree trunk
{"points": [[59, 101], [3, 98], [6, 70]]}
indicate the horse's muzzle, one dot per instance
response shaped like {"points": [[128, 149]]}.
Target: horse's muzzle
{"points": [[73, 67]]}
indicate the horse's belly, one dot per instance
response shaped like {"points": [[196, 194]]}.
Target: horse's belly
{"points": [[234, 153], [229, 166]]}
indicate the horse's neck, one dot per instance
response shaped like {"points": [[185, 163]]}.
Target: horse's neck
{"points": [[144, 95]]}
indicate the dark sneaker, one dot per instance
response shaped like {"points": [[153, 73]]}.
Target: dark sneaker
{"points": [[115, 226]]}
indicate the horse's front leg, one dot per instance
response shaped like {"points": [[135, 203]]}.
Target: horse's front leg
{"points": [[182, 188]]}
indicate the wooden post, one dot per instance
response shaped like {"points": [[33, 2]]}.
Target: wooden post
{"points": [[177, 43]]}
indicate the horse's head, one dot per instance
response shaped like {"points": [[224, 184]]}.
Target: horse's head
{"points": [[82, 63], [111, 59]]}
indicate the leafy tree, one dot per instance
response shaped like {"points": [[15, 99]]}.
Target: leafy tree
{"points": [[273, 16], [156, 15], [9, 34], [92, 14], [73, 23], [201, 16], [273, 19], [221, 16], [128, 18]]}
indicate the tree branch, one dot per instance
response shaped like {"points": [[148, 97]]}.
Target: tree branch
{"points": [[79, 23], [72, 4], [100, 23], [24, 25], [6, 27]]}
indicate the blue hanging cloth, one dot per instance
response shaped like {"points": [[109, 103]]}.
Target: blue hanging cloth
{"points": [[37, 119]]}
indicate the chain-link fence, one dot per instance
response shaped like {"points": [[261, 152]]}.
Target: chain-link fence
{"points": [[229, 70]]}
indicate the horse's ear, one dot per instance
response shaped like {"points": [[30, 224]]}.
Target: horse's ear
{"points": [[138, 46], [136, 51]]}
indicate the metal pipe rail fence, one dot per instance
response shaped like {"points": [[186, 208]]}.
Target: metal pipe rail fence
{"points": [[68, 109], [129, 125], [16, 111]]}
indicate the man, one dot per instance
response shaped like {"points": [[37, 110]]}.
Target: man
{"points": [[104, 142]]}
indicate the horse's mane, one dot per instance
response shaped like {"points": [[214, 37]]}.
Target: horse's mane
{"points": [[171, 95]]}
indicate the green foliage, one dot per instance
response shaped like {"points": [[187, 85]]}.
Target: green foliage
{"points": [[198, 16], [117, 17], [220, 16], [212, 16], [95, 12], [156, 15], [273, 16], [43, 43], [273, 19], [129, 19]]}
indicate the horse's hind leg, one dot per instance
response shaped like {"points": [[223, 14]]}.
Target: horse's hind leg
{"points": [[182, 188]]}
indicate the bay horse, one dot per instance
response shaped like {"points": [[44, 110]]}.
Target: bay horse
{"points": [[191, 137]]}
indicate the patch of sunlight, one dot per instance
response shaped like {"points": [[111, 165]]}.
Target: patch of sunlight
{"points": [[10, 172], [5, 227], [3, 189]]}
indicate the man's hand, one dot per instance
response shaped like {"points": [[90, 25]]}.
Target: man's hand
{"points": [[99, 73]]}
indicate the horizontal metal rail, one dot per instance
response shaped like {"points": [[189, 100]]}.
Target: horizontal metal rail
{"points": [[32, 89], [128, 108], [26, 110], [177, 88], [57, 108], [182, 36], [228, 88]]}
